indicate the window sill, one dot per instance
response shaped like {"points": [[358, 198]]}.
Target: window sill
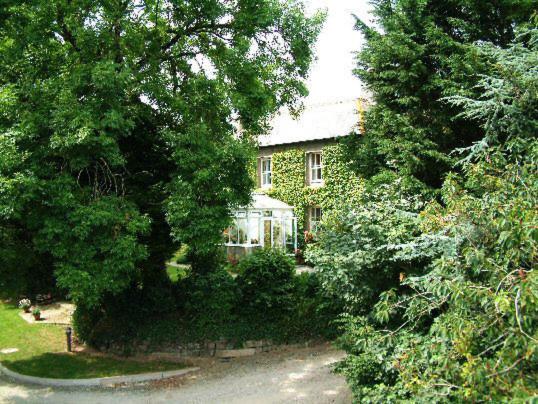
{"points": [[316, 184]]}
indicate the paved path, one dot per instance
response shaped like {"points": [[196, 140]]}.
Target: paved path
{"points": [[300, 375]]}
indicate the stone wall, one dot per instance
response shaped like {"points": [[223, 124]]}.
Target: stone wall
{"points": [[219, 349]]}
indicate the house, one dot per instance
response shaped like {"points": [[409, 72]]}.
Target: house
{"points": [[301, 173]]}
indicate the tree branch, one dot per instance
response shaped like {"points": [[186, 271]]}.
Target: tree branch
{"points": [[196, 29], [66, 34]]}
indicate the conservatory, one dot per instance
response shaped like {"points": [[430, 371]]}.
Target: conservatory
{"points": [[267, 222]]}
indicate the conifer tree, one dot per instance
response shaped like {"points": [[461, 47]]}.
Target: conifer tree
{"points": [[419, 52]]}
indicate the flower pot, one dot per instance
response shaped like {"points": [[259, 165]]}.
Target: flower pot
{"points": [[37, 317], [27, 310]]}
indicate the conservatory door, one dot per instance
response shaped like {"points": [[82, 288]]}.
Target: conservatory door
{"points": [[267, 232]]}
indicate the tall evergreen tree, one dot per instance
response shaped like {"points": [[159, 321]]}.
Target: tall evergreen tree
{"points": [[464, 328], [419, 52]]}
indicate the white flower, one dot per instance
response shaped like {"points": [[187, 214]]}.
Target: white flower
{"points": [[24, 303]]}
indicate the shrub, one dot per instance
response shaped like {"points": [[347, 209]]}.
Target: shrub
{"points": [[266, 284], [267, 301], [277, 304], [357, 253], [314, 311], [210, 300], [122, 318]]}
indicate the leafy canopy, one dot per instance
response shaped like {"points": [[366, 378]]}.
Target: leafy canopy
{"points": [[118, 130]]}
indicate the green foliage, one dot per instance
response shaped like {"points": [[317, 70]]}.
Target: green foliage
{"points": [[316, 310], [340, 182], [357, 254], [210, 301], [266, 301], [201, 307], [466, 328], [116, 135], [278, 304], [266, 283], [102, 234], [115, 324], [33, 276], [419, 52]]}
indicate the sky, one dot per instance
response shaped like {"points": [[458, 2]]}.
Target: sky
{"points": [[331, 78]]}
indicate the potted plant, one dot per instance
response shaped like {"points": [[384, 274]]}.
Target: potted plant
{"points": [[37, 314], [25, 305]]}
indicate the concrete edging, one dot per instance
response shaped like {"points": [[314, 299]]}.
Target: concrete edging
{"points": [[100, 381]]}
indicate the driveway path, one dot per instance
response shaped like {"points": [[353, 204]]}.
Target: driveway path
{"points": [[299, 375]]}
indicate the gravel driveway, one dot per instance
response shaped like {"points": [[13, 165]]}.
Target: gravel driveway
{"points": [[293, 375]]}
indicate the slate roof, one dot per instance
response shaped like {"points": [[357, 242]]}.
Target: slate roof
{"points": [[316, 122]]}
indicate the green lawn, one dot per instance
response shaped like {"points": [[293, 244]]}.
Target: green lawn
{"points": [[42, 352], [175, 273]]}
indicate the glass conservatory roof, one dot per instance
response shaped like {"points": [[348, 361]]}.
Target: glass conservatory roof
{"points": [[264, 202]]}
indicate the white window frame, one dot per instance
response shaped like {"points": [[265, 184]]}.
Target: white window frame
{"points": [[266, 176], [313, 167], [286, 240], [314, 219]]}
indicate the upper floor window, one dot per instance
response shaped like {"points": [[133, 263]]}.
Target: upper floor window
{"points": [[316, 168], [266, 172]]}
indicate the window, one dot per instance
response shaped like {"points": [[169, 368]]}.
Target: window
{"points": [[315, 217], [266, 171], [257, 228], [316, 166]]}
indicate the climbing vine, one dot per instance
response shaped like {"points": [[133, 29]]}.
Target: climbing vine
{"points": [[341, 186]]}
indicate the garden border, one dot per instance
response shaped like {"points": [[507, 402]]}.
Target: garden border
{"points": [[95, 382]]}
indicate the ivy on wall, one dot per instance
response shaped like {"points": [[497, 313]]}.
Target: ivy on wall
{"points": [[341, 185]]}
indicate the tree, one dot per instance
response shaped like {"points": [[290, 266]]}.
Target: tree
{"points": [[117, 130], [467, 328], [419, 52]]}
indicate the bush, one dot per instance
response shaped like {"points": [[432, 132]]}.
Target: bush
{"points": [[315, 311], [266, 301], [277, 304], [357, 254], [266, 284], [111, 325], [210, 300], [123, 319]]}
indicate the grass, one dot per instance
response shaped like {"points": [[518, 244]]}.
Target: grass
{"points": [[175, 273], [41, 352]]}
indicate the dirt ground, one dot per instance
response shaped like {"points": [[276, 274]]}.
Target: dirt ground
{"points": [[55, 313], [301, 375]]}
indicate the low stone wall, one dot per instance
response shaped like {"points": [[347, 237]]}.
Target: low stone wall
{"points": [[219, 349]]}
